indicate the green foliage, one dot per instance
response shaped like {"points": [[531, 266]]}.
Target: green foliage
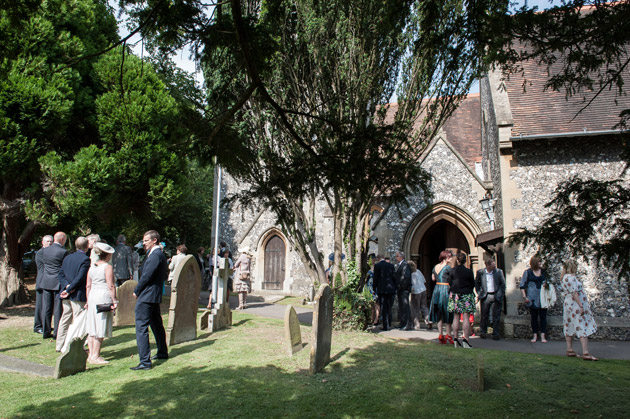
{"points": [[351, 309]]}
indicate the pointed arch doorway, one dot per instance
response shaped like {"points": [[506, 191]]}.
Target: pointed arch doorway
{"points": [[274, 271], [442, 226]]}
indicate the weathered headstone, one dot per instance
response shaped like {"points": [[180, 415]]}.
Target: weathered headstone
{"points": [[480, 373], [322, 329], [292, 333], [125, 314], [73, 360], [220, 316], [182, 314]]}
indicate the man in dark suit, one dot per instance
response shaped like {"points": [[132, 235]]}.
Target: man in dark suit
{"points": [[149, 296], [38, 327], [403, 285], [490, 286], [52, 258], [385, 289], [72, 281]]}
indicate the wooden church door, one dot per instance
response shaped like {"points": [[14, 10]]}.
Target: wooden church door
{"points": [[274, 264]]}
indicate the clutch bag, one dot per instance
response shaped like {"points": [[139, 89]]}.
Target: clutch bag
{"points": [[101, 308]]}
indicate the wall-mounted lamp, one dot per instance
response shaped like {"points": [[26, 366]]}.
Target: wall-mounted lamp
{"points": [[487, 205]]}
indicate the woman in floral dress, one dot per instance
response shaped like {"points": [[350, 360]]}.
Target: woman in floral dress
{"points": [[577, 316]]}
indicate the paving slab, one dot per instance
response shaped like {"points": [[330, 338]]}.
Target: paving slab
{"points": [[9, 363]]}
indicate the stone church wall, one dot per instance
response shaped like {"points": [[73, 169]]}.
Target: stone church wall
{"points": [[490, 148], [541, 166]]}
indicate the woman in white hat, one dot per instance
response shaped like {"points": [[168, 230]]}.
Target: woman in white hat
{"points": [[101, 296], [242, 279]]}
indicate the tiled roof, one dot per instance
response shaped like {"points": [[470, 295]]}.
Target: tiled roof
{"points": [[537, 112], [462, 129]]}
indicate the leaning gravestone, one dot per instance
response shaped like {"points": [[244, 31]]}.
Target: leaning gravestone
{"points": [[322, 329], [125, 314], [182, 314], [292, 333], [73, 360]]}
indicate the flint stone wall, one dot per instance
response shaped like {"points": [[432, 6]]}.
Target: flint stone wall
{"points": [[541, 166]]}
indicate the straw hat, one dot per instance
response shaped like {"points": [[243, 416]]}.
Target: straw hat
{"points": [[245, 249], [104, 247]]}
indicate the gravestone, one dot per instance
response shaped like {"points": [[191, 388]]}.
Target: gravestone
{"points": [[73, 360], [220, 316], [480, 374], [292, 333], [322, 329], [125, 314], [182, 314]]}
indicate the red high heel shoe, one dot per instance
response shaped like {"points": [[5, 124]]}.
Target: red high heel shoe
{"points": [[442, 339], [449, 339]]}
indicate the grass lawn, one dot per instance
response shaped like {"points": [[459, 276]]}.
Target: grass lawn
{"points": [[244, 372]]}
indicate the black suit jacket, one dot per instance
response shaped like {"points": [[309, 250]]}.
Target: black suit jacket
{"points": [[384, 278], [52, 258], [403, 276], [154, 273], [73, 275], [482, 288], [39, 262]]}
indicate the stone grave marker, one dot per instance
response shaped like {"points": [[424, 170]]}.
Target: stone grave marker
{"points": [[182, 314], [292, 333], [125, 314], [480, 374], [322, 329], [73, 360], [220, 316]]}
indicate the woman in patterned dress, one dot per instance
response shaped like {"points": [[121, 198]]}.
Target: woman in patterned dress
{"points": [[439, 301], [242, 278], [577, 316]]}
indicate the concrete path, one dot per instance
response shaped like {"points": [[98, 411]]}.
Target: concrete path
{"points": [[9, 363]]}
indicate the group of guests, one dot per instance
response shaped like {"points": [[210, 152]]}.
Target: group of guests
{"points": [[79, 289], [454, 300]]}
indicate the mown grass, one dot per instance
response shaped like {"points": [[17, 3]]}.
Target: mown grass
{"points": [[295, 302], [244, 372]]}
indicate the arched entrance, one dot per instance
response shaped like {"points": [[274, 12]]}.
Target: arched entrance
{"points": [[442, 226], [274, 271]]}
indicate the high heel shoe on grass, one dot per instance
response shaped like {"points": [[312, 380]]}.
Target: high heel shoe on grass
{"points": [[449, 339], [457, 343], [465, 344], [442, 339]]}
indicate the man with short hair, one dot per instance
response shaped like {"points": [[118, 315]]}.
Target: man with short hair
{"points": [[385, 287], [403, 285], [52, 258], [490, 286], [38, 327], [122, 261], [148, 293], [72, 282], [92, 239]]}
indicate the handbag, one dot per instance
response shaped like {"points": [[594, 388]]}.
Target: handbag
{"points": [[547, 295], [102, 308]]}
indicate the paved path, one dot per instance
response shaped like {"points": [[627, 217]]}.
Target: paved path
{"points": [[9, 363]]}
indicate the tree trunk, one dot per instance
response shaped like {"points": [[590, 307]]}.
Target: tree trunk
{"points": [[12, 290]]}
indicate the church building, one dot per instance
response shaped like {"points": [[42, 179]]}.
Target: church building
{"points": [[494, 166]]}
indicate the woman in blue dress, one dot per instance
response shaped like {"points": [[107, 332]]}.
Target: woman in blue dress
{"points": [[439, 301]]}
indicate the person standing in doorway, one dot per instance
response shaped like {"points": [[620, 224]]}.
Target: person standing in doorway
{"points": [[439, 301], [403, 285], [419, 309], [37, 323], [148, 293]]}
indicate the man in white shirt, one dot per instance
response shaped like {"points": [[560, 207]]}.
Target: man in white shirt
{"points": [[490, 286]]}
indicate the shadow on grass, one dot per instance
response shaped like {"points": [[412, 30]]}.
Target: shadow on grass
{"points": [[18, 347]]}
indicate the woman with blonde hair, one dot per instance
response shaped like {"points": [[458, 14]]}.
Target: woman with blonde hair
{"points": [[576, 314], [531, 282]]}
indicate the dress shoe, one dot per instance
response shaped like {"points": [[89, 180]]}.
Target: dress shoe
{"points": [[155, 357], [140, 367], [49, 337], [482, 336], [495, 337], [40, 331]]}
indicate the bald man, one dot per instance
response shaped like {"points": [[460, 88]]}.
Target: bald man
{"points": [[52, 257]]}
